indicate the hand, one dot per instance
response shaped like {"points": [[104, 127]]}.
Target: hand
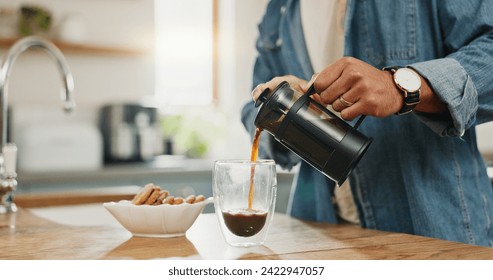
{"points": [[355, 88], [371, 91], [296, 83]]}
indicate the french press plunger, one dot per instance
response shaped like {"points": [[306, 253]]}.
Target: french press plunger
{"points": [[311, 131]]}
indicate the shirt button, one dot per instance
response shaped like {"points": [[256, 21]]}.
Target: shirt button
{"points": [[279, 42], [283, 10]]}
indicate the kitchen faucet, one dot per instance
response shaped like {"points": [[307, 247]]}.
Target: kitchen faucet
{"points": [[8, 152]]}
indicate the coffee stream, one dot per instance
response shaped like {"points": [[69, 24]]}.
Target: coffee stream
{"points": [[247, 222], [253, 158]]}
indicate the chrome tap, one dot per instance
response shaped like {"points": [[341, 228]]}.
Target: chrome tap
{"points": [[8, 153]]}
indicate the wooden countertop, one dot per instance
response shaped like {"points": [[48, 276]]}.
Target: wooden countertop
{"points": [[32, 237]]}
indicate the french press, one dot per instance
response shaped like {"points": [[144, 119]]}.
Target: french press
{"points": [[311, 131]]}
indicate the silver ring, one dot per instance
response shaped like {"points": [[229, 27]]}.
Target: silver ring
{"points": [[345, 102]]}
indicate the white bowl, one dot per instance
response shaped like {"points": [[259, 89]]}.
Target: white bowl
{"points": [[156, 220]]}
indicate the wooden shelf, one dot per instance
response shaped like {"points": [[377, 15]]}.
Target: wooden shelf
{"points": [[82, 48]]}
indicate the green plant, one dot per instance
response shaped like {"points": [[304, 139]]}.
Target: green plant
{"points": [[34, 20], [186, 138], [193, 133]]}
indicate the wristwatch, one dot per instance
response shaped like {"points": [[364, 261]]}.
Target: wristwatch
{"points": [[409, 83]]}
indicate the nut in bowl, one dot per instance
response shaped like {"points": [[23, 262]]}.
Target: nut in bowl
{"points": [[168, 218]]}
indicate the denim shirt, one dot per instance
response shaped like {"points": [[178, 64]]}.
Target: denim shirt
{"points": [[423, 173]]}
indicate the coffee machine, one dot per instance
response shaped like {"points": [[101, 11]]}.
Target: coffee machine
{"points": [[131, 132]]}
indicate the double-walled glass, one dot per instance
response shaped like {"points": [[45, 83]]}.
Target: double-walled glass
{"points": [[244, 199]]}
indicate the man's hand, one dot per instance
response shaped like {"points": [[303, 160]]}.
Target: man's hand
{"points": [[354, 87], [296, 83]]}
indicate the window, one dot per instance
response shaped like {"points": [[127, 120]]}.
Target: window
{"points": [[184, 52]]}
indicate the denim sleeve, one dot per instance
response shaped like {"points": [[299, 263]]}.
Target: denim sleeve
{"points": [[455, 88], [463, 79]]}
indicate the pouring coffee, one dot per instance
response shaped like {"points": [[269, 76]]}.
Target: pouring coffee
{"points": [[311, 131]]}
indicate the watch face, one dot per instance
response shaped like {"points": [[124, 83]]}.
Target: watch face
{"points": [[407, 79]]}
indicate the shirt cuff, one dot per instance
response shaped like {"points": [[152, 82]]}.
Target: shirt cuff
{"points": [[454, 87]]}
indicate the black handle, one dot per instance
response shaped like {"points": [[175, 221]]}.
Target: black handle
{"points": [[262, 97], [311, 90], [359, 121]]}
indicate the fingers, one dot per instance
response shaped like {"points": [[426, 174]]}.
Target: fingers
{"points": [[345, 100], [257, 91], [354, 87], [339, 87], [349, 105], [328, 76], [350, 113], [295, 82], [339, 78]]}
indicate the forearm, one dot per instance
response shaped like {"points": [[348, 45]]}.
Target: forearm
{"points": [[429, 101]]}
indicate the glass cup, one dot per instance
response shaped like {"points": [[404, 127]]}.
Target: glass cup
{"points": [[244, 199]]}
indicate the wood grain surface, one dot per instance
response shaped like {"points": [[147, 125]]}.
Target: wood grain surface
{"points": [[26, 236]]}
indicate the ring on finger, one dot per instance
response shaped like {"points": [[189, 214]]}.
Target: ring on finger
{"points": [[345, 102]]}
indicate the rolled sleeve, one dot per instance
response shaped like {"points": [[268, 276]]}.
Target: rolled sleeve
{"points": [[455, 88]]}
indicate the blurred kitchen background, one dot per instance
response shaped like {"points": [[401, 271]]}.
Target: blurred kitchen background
{"points": [[159, 86]]}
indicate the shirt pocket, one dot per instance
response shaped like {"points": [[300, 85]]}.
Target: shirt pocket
{"points": [[387, 30]]}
